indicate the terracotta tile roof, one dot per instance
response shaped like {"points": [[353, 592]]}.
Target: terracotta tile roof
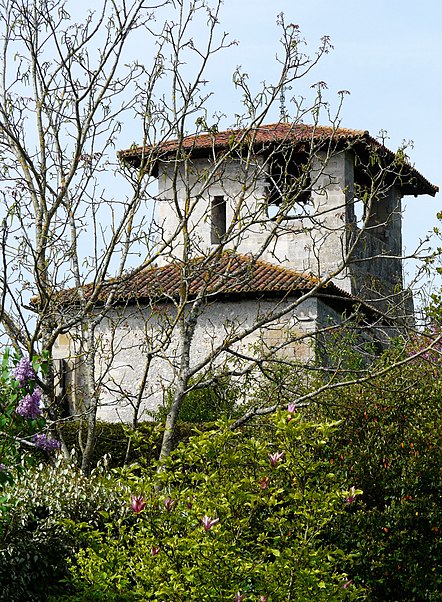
{"points": [[229, 274], [270, 135], [273, 133]]}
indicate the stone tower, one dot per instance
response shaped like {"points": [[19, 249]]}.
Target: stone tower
{"points": [[317, 199]]}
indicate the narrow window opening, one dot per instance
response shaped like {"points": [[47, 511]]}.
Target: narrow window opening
{"points": [[363, 206], [219, 222], [359, 211]]}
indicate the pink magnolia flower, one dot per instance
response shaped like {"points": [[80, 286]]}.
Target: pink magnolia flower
{"points": [[169, 504], [263, 599], [137, 503], [275, 458], [239, 597], [155, 550], [347, 583], [264, 482], [291, 408], [351, 498], [208, 523]]}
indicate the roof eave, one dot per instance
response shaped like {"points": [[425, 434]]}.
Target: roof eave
{"points": [[149, 158]]}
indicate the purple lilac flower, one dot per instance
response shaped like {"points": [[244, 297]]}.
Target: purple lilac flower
{"points": [[29, 407], [239, 597], [3, 467], [24, 371], [43, 442]]}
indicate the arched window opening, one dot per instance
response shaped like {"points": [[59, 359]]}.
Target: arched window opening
{"points": [[288, 189]]}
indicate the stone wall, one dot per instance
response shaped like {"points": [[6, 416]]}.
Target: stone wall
{"points": [[128, 335], [315, 237]]}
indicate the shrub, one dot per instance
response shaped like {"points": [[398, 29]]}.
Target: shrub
{"points": [[390, 446], [231, 516], [40, 530], [21, 420], [20, 412], [122, 445], [205, 403]]}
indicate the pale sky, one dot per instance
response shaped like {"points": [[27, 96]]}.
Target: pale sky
{"points": [[387, 53]]}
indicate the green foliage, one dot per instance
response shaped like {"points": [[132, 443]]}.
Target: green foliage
{"points": [[205, 403], [122, 445], [355, 504], [231, 514], [117, 441], [390, 446], [346, 349], [41, 530], [281, 383], [48, 506]]}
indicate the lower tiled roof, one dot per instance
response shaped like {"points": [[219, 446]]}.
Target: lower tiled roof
{"points": [[228, 275]]}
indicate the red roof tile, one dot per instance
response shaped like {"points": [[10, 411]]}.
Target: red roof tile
{"points": [[271, 135], [227, 275]]}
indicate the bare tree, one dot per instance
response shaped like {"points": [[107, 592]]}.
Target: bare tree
{"points": [[66, 91], [283, 182]]}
